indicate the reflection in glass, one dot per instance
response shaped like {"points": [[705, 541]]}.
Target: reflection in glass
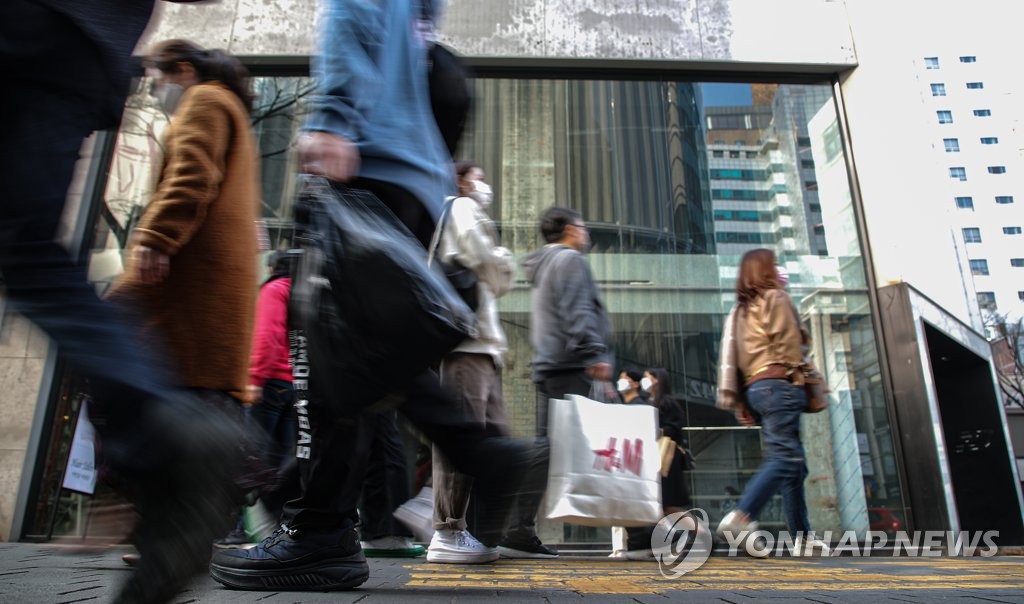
{"points": [[676, 180]]}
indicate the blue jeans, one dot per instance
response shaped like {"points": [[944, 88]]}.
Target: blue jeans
{"points": [[777, 405]]}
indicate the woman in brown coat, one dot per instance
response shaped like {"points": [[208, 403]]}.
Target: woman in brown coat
{"points": [[192, 265]]}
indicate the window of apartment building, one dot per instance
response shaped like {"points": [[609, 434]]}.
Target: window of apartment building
{"points": [[1017, 262], [982, 112], [965, 203], [958, 172], [1011, 230], [945, 117], [997, 169], [979, 267], [975, 85], [807, 164], [1004, 199], [931, 62], [734, 154], [718, 153], [987, 300], [968, 59], [952, 145], [938, 90], [751, 154], [972, 234], [1020, 296], [989, 140]]}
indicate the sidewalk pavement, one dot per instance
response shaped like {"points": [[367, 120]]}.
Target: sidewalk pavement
{"points": [[44, 574]]}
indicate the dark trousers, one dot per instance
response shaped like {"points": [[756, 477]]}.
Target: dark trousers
{"points": [[336, 458], [56, 93], [387, 480], [555, 385], [275, 416]]}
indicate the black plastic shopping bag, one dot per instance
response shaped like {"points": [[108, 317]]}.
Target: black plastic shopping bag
{"points": [[374, 315]]}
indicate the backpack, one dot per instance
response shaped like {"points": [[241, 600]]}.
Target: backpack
{"points": [[450, 98]]}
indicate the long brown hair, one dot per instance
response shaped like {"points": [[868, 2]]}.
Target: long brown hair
{"points": [[757, 274], [214, 64]]}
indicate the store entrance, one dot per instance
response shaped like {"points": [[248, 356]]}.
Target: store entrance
{"points": [[976, 447]]}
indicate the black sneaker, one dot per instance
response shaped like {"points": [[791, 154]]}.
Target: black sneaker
{"points": [[525, 548], [290, 559]]}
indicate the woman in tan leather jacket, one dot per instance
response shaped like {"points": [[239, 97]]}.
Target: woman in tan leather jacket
{"points": [[768, 351]]}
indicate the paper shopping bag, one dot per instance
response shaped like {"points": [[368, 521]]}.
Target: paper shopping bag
{"points": [[605, 465]]}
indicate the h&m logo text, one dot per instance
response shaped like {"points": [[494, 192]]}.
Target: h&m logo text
{"points": [[629, 459]]}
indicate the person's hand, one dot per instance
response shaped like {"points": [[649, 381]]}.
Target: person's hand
{"points": [[600, 371], [743, 416], [153, 265], [253, 395], [329, 155]]}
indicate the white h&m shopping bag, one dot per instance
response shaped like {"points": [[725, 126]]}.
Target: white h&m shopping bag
{"points": [[605, 466]]}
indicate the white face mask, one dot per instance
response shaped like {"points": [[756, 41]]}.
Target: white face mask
{"points": [[168, 94], [482, 193], [783, 275], [647, 383], [623, 385]]}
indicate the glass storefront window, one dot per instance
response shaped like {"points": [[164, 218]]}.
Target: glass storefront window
{"points": [[676, 180]]}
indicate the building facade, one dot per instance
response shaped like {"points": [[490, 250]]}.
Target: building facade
{"points": [[975, 133], [685, 132]]}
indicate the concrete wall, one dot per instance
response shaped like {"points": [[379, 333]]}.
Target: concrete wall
{"points": [[795, 31], [22, 357]]}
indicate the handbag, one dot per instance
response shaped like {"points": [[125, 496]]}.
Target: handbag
{"points": [[371, 310], [812, 380], [463, 280], [605, 464], [814, 386]]}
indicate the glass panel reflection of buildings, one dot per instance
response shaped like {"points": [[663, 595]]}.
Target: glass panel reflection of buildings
{"points": [[676, 181]]}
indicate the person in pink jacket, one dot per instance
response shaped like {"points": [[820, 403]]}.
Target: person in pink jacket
{"points": [[270, 392]]}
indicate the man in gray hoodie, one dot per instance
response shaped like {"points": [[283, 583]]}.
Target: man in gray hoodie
{"points": [[570, 334]]}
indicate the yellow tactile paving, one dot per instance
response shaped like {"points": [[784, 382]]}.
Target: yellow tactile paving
{"points": [[614, 577]]}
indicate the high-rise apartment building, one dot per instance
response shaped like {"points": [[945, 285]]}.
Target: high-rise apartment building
{"points": [[974, 133]]}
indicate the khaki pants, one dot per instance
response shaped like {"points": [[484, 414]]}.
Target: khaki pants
{"points": [[475, 381]]}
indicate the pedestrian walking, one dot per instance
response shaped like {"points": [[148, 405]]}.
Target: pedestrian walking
{"points": [[675, 494], [762, 384], [270, 392], [371, 66], [191, 259], [66, 68], [628, 387], [571, 338], [473, 370]]}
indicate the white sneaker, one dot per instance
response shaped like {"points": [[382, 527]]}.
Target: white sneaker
{"points": [[459, 547], [805, 547], [418, 514], [734, 525], [619, 554]]}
